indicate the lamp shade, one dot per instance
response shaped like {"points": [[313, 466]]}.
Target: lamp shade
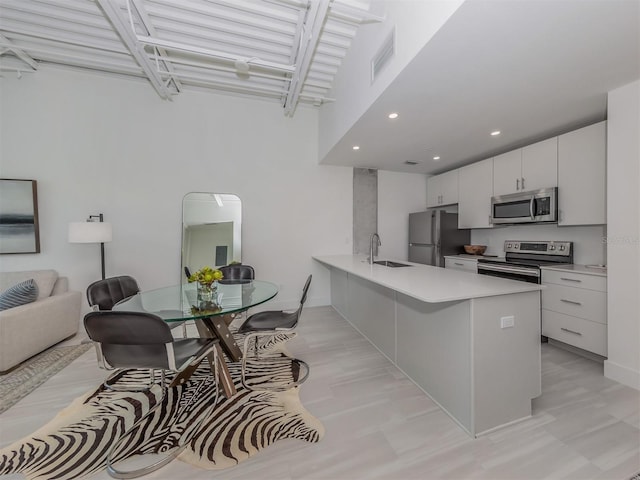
{"points": [[89, 232]]}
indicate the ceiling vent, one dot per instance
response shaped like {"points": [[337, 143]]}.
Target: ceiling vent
{"points": [[384, 55], [409, 162]]}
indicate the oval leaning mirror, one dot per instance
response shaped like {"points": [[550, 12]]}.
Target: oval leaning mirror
{"points": [[211, 230]]}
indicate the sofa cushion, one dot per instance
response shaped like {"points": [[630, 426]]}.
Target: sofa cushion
{"points": [[45, 279], [20, 294]]}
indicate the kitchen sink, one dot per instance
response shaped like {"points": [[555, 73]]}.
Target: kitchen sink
{"points": [[389, 263]]}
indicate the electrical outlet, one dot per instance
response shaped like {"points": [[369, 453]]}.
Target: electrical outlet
{"points": [[506, 322]]}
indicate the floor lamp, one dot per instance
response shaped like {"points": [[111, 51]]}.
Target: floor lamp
{"points": [[94, 230]]}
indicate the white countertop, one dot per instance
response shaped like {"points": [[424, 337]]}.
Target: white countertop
{"points": [[425, 282], [584, 269]]}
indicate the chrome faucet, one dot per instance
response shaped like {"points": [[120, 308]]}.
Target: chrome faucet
{"points": [[371, 247]]}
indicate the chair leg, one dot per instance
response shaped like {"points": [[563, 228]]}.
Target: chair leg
{"points": [[269, 387], [110, 384], [115, 473]]}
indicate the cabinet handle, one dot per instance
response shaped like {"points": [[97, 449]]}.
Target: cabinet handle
{"points": [[459, 264], [570, 301], [571, 280], [570, 331], [522, 182], [517, 184]]}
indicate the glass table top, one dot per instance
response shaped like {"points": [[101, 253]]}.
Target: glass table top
{"points": [[180, 302]]}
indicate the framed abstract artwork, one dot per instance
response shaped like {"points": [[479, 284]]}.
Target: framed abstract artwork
{"points": [[19, 232]]}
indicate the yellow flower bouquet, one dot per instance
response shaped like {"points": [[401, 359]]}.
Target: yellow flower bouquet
{"points": [[206, 276]]}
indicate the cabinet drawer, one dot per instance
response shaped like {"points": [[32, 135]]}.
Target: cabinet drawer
{"points": [[570, 279], [590, 336], [466, 265], [577, 302]]}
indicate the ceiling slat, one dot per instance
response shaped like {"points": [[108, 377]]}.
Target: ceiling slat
{"points": [[192, 43]]}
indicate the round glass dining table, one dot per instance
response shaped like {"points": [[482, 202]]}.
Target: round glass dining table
{"points": [[179, 303]]}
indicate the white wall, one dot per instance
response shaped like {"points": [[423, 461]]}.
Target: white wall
{"points": [[623, 235], [588, 242], [105, 144], [415, 22], [399, 194]]}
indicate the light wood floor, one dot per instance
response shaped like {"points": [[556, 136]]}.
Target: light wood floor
{"points": [[380, 425]]}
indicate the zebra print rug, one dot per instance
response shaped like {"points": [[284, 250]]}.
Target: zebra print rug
{"points": [[75, 443]]}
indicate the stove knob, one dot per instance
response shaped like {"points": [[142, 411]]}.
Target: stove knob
{"points": [[552, 247], [561, 248], [508, 245], [516, 246]]}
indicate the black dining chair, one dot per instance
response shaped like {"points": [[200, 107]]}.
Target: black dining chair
{"points": [[236, 272], [137, 340], [104, 294], [271, 323], [233, 274]]}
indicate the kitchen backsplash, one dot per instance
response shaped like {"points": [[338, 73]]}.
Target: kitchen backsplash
{"points": [[588, 242]]}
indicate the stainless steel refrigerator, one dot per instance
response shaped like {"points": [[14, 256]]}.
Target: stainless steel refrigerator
{"points": [[434, 234]]}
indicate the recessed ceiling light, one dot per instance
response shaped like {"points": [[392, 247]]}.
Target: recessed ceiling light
{"points": [[495, 132], [356, 147], [393, 115], [436, 158]]}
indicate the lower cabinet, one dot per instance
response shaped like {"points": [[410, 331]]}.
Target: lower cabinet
{"points": [[574, 309], [457, 263]]}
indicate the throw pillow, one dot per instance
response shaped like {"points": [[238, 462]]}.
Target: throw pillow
{"points": [[20, 294]]}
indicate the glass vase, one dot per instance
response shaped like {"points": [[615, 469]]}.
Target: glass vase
{"points": [[207, 292]]}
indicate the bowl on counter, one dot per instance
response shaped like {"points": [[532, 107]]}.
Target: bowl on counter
{"points": [[475, 249]]}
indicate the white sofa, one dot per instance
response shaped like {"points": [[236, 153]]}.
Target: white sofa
{"points": [[29, 329]]}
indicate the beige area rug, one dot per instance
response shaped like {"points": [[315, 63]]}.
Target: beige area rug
{"points": [[75, 443], [21, 381]]}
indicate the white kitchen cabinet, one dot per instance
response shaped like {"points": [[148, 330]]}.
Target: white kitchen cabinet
{"points": [[475, 188], [582, 176], [507, 172], [530, 168], [459, 263], [540, 165], [442, 189], [574, 309]]}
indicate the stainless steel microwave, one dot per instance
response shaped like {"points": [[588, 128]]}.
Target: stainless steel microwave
{"points": [[538, 206]]}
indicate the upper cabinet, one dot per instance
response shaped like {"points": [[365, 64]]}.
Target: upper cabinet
{"points": [[507, 172], [582, 176], [540, 165], [530, 168], [474, 196], [442, 189], [574, 162]]}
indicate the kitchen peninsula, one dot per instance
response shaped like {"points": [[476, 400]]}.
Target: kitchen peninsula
{"points": [[471, 342]]}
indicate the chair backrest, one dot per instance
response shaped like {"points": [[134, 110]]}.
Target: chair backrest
{"points": [[305, 289], [130, 339], [237, 271], [106, 293]]}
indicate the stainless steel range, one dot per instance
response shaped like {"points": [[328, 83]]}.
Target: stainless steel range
{"points": [[523, 260]]}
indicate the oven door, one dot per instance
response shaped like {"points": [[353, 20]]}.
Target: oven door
{"points": [[527, 207], [512, 272]]}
